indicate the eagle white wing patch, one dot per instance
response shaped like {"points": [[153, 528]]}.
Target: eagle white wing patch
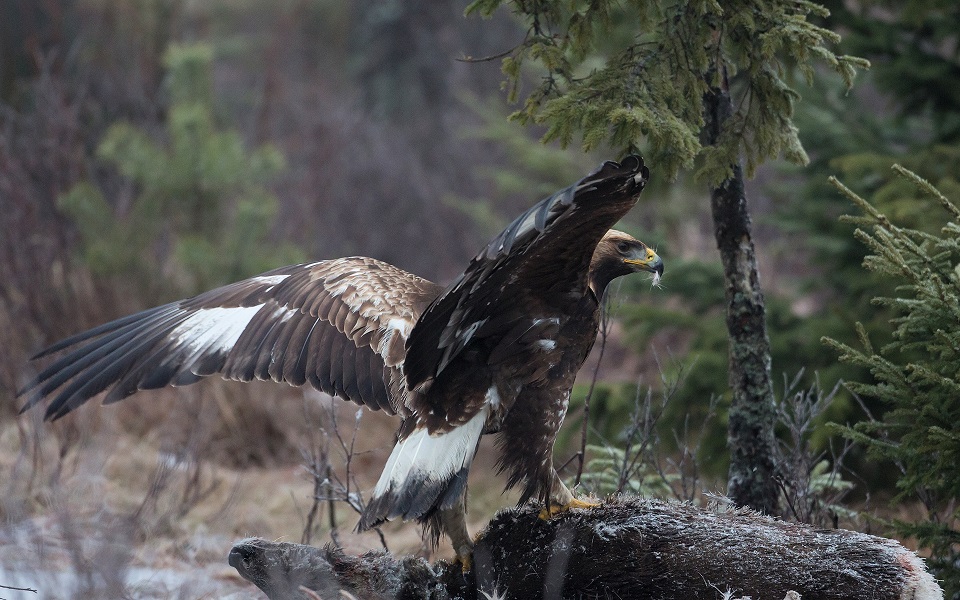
{"points": [[214, 329], [340, 325]]}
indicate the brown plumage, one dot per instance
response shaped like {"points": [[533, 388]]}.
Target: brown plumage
{"points": [[495, 351]]}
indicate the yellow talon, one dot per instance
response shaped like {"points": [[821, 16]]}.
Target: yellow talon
{"points": [[555, 509], [465, 562]]}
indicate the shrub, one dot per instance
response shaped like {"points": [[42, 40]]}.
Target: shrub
{"points": [[917, 372]]}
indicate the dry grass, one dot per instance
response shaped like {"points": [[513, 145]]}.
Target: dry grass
{"points": [[145, 498]]}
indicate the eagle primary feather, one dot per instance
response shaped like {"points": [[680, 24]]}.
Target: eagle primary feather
{"points": [[495, 351]]}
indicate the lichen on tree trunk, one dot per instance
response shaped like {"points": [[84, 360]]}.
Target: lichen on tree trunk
{"points": [[753, 470]]}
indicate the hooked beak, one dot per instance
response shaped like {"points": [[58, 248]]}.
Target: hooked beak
{"points": [[650, 261]]}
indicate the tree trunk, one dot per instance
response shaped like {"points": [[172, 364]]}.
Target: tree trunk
{"points": [[753, 470]]}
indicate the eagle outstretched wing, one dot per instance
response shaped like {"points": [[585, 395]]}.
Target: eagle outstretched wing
{"points": [[340, 325], [517, 323], [541, 256]]}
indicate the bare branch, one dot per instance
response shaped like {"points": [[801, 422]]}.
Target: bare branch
{"points": [[333, 484], [492, 57], [17, 589], [604, 331]]}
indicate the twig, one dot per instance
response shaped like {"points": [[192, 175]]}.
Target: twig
{"points": [[314, 457], [332, 511], [18, 589], [645, 429], [470, 59], [568, 461], [528, 41], [798, 410], [604, 329], [329, 485]]}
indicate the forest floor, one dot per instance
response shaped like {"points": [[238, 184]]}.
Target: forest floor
{"points": [[119, 515]]}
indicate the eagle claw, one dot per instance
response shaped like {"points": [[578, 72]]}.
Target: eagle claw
{"points": [[465, 561], [555, 509]]}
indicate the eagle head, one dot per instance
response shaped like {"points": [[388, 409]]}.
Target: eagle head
{"points": [[620, 254]]}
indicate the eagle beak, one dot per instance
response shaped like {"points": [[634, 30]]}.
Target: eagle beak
{"points": [[650, 262]]}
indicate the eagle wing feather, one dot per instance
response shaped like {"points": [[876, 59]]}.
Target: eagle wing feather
{"points": [[339, 325], [538, 258]]}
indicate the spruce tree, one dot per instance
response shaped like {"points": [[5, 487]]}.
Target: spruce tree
{"points": [[916, 371], [694, 84]]}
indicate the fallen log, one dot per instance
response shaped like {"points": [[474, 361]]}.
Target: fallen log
{"points": [[625, 548]]}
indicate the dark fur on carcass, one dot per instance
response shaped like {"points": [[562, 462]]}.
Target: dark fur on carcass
{"points": [[281, 569], [626, 548]]}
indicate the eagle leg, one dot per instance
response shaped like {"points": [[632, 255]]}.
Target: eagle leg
{"points": [[562, 500], [453, 521]]}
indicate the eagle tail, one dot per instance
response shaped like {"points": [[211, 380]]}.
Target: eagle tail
{"points": [[424, 473]]}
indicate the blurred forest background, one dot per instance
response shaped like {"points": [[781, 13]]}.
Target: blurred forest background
{"points": [[152, 149]]}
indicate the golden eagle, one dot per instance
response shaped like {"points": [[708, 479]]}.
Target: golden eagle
{"points": [[495, 351]]}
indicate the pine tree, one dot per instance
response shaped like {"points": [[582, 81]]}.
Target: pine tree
{"points": [[917, 372], [703, 84]]}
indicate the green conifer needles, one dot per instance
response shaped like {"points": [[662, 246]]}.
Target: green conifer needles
{"points": [[917, 372], [621, 73]]}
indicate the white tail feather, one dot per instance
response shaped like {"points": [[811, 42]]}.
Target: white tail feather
{"points": [[434, 457]]}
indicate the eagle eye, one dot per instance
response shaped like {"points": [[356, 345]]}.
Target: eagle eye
{"points": [[623, 247]]}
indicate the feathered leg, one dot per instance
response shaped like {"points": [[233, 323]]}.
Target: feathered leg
{"points": [[453, 521], [562, 499], [526, 449]]}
